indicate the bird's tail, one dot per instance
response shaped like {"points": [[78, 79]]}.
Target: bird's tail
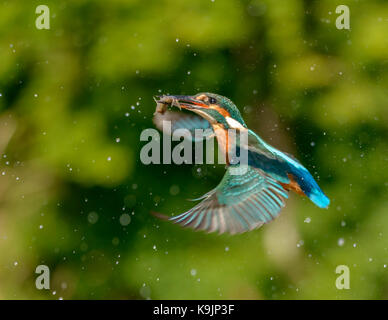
{"points": [[310, 187]]}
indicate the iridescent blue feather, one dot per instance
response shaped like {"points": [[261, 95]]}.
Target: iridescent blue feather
{"points": [[239, 203]]}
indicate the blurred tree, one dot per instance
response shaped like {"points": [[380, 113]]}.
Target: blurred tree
{"points": [[75, 196]]}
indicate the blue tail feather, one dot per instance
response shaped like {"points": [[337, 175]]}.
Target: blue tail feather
{"points": [[309, 186], [320, 199]]}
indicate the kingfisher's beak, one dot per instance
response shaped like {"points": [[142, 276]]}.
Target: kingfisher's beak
{"points": [[181, 101]]}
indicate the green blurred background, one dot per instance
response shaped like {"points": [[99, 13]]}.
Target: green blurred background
{"points": [[75, 196]]}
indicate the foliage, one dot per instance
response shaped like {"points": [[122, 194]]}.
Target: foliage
{"points": [[75, 98]]}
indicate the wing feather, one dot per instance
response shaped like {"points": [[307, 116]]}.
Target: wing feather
{"points": [[238, 204]]}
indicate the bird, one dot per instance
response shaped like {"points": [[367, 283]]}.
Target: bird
{"points": [[240, 202]]}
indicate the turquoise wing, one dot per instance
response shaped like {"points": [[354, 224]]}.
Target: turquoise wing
{"points": [[240, 203], [280, 166], [180, 120]]}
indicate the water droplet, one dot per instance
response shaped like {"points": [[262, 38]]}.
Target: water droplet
{"points": [[174, 190], [115, 241], [125, 219], [92, 217], [145, 291]]}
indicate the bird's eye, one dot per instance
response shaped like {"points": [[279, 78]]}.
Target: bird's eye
{"points": [[212, 100]]}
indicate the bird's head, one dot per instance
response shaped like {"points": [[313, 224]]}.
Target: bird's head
{"points": [[213, 107]]}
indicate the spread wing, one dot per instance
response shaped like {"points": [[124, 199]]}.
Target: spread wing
{"points": [[241, 202], [180, 120], [281, 166]]}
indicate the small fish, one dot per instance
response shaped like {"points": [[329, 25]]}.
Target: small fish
{"points": [[163, 102]]}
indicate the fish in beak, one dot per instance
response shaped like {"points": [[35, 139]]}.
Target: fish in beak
{"points": [[180, 101]]}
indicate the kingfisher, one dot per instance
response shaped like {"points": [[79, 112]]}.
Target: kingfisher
{"points": [[240, 202]]}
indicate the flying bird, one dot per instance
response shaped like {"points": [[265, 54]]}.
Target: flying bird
{"points": [[240, 202]]}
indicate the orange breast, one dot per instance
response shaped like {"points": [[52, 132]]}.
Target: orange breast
{"points": [[223, 139]]}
